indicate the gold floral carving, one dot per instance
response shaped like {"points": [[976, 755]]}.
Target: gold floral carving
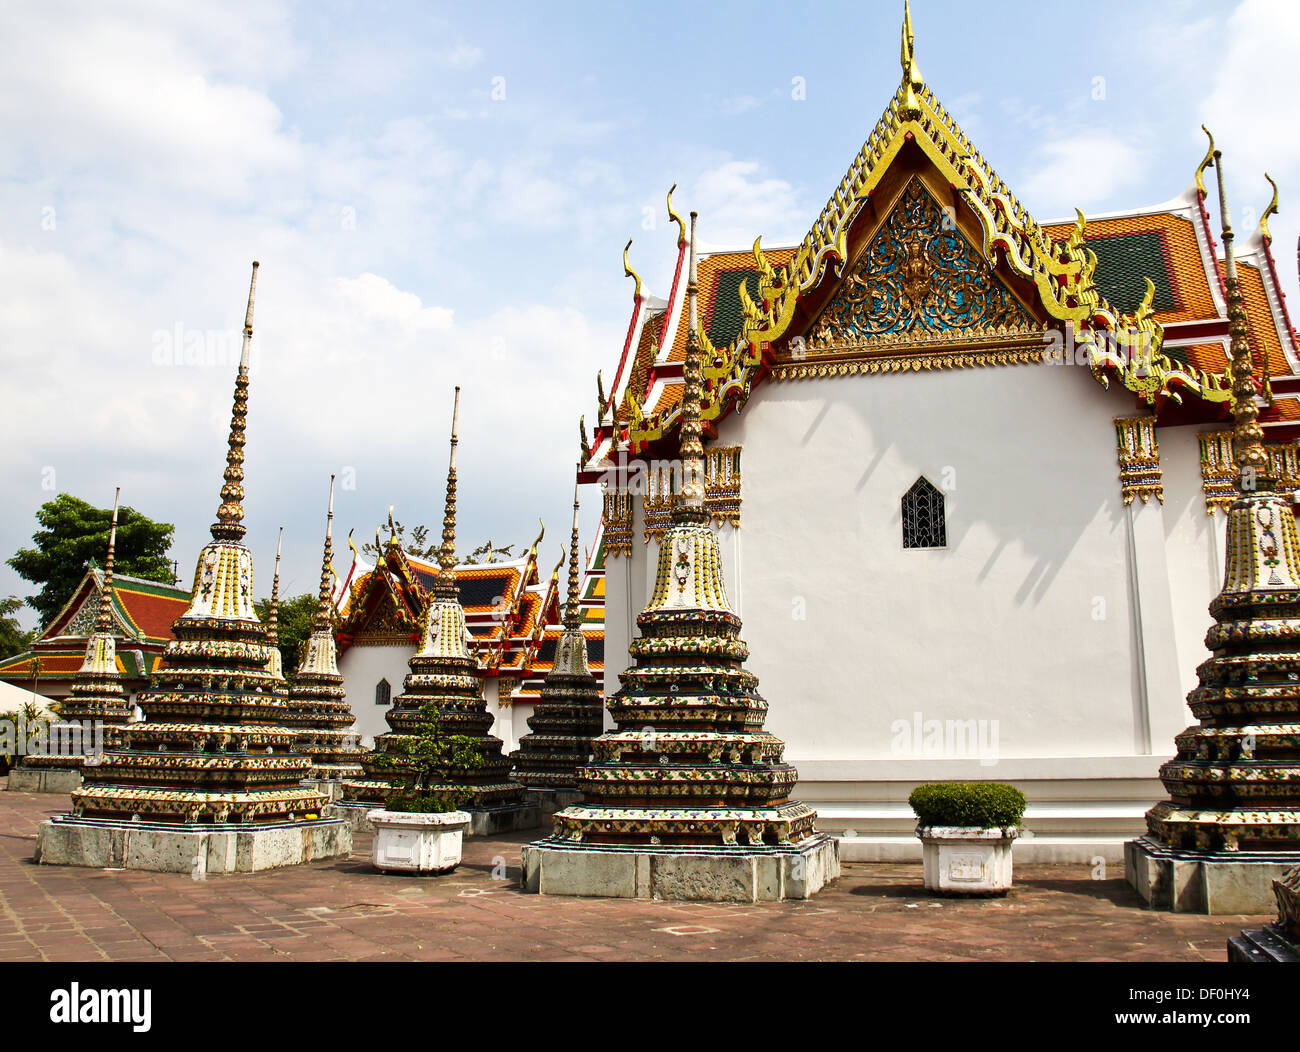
{"points": [[1139, 458]]}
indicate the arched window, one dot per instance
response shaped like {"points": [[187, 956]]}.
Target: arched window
{"points": [[383, 692], [923, 518]]}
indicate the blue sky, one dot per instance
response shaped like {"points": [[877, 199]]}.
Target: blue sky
{"points": [[441, 194]]}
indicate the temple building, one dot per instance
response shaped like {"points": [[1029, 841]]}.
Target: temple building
{"points": [[689, 797], [442, 689], [570, 712], [512, 611], [140, 618], [97, 701], [969, 473], [210, 780]]}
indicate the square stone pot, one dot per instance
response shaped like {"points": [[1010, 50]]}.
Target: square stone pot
{"points": [[964, 860], [409, 842]]}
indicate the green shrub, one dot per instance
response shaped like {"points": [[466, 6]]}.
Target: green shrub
{"points": [[985, 805], [424, 766]]}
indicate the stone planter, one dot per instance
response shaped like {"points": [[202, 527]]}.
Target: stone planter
{"points": [[963, 860], [410, 842]]}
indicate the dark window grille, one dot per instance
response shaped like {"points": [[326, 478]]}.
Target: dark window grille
{"points": [[923, 517], [383, 692]]}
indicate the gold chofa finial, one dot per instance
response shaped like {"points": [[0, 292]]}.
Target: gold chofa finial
{"points": [[912, 82], [1206, 161], [628, 272], [676, 217], [1271, 210]]}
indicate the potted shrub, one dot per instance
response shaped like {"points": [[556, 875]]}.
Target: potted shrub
{"points": [[966, 831], [420, 827]]}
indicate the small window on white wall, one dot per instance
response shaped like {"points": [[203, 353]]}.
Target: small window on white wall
{"points": [[383, 692], [923, 517]]}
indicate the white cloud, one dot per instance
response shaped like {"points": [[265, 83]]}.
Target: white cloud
{"points": [[1082, 171], [737, 203]]}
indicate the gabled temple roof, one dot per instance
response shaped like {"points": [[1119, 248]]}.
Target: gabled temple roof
{"points": [[1089, 274]]}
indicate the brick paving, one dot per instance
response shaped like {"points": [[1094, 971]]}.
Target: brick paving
{"points": [[345, 911]]}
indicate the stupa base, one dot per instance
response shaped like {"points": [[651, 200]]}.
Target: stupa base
{"points": [[48, 779], [740, 874], [1263, 946], [1209, 882], [200, 851], [330, 788], [549, 801], [483, 821]]}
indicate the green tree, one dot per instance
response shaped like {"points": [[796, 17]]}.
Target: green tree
{"points": [[74, 533], [424, 764], [293, 626], [13, 640]]}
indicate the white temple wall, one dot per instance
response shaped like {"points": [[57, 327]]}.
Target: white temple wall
{"points": [[362, 668], [1024, 619]]}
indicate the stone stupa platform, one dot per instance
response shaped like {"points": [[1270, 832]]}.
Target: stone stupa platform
{"points": [[721, 874], [1213, 882], [157, 847]]}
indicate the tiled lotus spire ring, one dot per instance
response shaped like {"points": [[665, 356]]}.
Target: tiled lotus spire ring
{"points": [[689, 763], [443, 671], [569, 714], [318, 705], [213, 746], [1235, 783]]}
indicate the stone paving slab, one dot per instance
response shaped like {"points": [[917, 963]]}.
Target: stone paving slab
{"points": [[344, 910]]}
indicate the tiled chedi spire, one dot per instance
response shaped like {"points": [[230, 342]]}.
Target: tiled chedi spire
{"points": [[97, 695], [213, 746], [443, 671], [276, 664], [1235, 783], [689, 763], [569, 714], [318, 707]]}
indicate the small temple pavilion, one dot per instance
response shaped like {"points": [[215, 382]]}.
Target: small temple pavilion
{"points": [[443, 673], [570, 713], [210, 780], [689, 797]]}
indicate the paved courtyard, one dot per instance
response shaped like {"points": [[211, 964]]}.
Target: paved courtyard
{"points": [[345, 911]]}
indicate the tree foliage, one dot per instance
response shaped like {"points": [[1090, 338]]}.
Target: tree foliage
{"points": [[13, 640], [73, 533], [419, 546], [423, 765]]}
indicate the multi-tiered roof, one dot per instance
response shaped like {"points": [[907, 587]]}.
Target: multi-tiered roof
{"points": [[570, 713], [444, 674], [213, 747], [318, 707], [689, 764], [1146, 278]]}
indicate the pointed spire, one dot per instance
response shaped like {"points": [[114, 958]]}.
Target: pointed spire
{"points": [[445, 588], [912, 82], [323, 620], [230, 515], [572, 616], [104, 623], [1253, 474], [273, 613], [689, 506]]}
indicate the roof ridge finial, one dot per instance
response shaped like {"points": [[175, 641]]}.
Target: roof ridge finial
{"points": [[273, 612], [1271, 210], [1248, 437], [230, 514], [912, 80], [323, 621], [689, 506], [446, 584], [104, 623], [572, 616]]}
